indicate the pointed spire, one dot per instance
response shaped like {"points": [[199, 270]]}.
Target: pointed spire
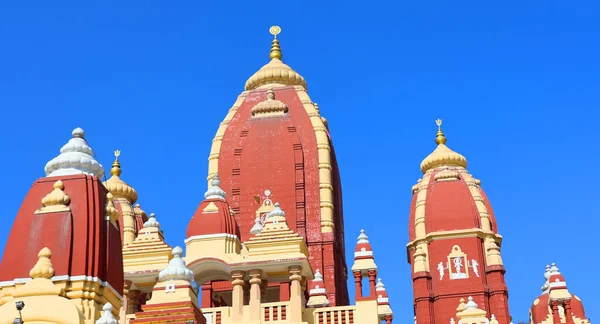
{"points": [[116, 166], [362, 237], [442, 155], [152, 222], [317, 291], [43, 267], [107, 315], [554, 269], [275, 72], [546, 285], [118, 187], [318, 276], [176, 270], [439, 137], [275, 52], [380, 286], [76, 157], [215, 192]]}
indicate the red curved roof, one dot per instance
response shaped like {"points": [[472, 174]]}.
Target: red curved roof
{"points": [[449, 206], [208, 221], [82, 242]]}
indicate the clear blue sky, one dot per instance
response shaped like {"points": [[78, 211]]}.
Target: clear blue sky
{"points": [[516, 83]]}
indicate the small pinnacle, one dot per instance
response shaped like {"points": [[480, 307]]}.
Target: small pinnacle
{"points": [[78, 132]]}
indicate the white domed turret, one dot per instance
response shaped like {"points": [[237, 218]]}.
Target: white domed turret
{"points": [[176, 270], [76, 157]]}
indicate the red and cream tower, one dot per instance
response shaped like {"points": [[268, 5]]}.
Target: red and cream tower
{"points": [[454, 246], [273, 145]]}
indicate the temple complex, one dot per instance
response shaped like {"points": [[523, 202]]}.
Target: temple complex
{"points": [[266, 243]]}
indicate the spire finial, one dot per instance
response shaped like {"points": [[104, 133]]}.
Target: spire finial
{"points": [[215, 192], [439, 137], [116, 166], [152, 222], [275, 49]]}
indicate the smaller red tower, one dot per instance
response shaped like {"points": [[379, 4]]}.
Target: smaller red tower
{"points": [[556, 304], [454, 246]]}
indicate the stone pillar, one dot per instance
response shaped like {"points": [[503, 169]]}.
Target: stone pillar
{"points": [[372, 285], [237, 296], [555, 314], [358, 284], [568, 312], [255, 294], [133, 301], [206, 300], [295, 314]]}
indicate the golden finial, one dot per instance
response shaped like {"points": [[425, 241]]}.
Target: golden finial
{"points": [[43, 267], [116, 166], [275, 49], [439, 137]]}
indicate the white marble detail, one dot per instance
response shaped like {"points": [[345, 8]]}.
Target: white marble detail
{"points": [[76, 157]]}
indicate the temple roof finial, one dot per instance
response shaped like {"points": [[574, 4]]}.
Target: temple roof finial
{"points": [[215, 192], [275, 52], [152, 222], [76, 157], [116, 166], [118, 187], [442, 155], [275, 73], [439, 137], [176, 270]]}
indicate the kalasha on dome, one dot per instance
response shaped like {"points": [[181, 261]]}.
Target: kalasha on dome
{"points": [[266, 243]]}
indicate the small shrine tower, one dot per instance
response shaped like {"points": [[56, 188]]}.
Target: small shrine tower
{"points": [[454, 246]]}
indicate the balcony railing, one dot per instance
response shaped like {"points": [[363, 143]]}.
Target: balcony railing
{"points": [[275, 312], [335, 315]]}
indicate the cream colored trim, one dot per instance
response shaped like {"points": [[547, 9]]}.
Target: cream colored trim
{"points": [[64, 278], [419, 224], [213, 158], [210, 236], [446, 235], [476, 194], [324, 153]]}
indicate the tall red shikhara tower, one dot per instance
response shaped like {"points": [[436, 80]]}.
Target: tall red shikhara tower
{"points": [[273, 145], [454, 246]]}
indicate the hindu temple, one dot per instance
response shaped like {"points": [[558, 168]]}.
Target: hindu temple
{"points": [[266, 242]]}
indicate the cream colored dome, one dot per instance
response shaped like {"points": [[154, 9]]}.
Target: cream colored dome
{"points": [[442, 155], [275, 72], [118, 187]]}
